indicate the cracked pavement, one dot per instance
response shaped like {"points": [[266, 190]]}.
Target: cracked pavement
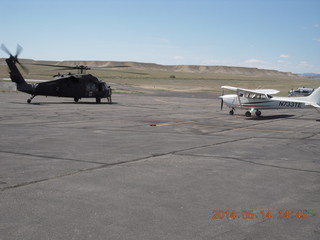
{"points": [[155, 166]]}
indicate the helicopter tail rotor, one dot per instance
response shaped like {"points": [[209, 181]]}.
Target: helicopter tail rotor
{"points": [[14, 58]]}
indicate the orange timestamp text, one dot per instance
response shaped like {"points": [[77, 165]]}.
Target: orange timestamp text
{"points": [[250, 214]]}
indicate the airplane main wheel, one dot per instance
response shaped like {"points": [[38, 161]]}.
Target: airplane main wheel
{"points": [[258, 113], [76, 99], [29, 101], [248, 114], [98, 100]]}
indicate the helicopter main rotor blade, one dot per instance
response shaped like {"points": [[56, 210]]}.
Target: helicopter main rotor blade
{"points": [[51, 65], [76, 67], [83, 67], [119, 66], [122, 71], [55, 69]]}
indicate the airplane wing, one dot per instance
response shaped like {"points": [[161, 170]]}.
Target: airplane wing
{"points": [[255, 91]]}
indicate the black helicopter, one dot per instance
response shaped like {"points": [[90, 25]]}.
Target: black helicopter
{"points": [[75, 86]]}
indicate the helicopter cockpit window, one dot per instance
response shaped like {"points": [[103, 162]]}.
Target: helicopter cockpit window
{"points": [[102, 87]]}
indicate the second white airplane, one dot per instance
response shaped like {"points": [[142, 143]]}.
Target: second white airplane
{"points": [[257, 99]]}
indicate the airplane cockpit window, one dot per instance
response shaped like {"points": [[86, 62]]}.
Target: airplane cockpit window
{"points": [[256, 96], [262, 96]]}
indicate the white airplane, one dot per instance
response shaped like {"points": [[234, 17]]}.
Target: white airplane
{"points": [[301, 91], [257, 99]]}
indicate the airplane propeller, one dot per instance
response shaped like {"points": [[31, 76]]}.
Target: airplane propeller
{"points": [[15, 57], [222, 100]]}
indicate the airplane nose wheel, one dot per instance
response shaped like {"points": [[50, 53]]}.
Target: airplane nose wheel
{"points": [[231, 112], [248, 114]]}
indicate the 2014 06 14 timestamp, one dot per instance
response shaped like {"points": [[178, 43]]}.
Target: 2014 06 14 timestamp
{"points": [[264, 214]]}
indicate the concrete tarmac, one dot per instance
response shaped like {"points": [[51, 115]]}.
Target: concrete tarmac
{"points": [[156, 166]]}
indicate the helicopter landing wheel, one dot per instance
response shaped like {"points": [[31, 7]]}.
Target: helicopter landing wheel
{"points": [[29, 100], [98, 100], [76, 99]]}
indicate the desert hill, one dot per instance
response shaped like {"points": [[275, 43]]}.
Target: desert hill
{"points": [[170, 77], [200, 69]]}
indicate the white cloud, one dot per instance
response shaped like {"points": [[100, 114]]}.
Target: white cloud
{"points": [[304, 64], [178, 58], [284, 56], [254, 61], [211, 62], [316, 25], [316, 39]]}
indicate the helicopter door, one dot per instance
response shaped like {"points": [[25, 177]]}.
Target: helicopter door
{"points": [[91, 89], [70, 87]]}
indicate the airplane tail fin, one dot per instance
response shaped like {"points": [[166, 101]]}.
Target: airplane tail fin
{"points": [[314, 98]]}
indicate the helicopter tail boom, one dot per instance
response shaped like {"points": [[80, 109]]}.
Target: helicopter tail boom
{"points": [[16, 77], [15, 74]]}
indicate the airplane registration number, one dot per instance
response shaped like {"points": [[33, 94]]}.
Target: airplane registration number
{"points": [[290, 104]]}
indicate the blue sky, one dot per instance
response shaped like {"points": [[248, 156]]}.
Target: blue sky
{"points": [[272, 34]]}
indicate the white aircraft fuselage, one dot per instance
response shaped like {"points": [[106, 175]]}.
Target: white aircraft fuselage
{"points": [[232, 101], [257, 99]]}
